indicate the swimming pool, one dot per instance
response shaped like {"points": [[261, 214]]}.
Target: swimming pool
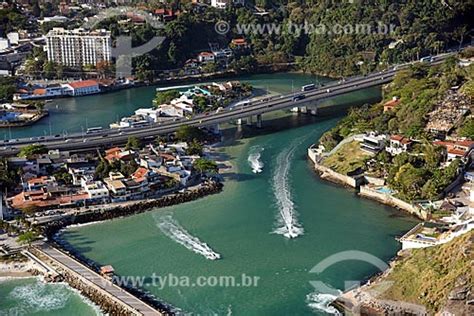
{"points": [[385, 190], [9, 116]]}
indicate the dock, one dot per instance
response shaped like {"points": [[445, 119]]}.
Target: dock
{"points": [[92, 282]]}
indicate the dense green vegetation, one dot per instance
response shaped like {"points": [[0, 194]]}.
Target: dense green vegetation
{"points": [[418, 27], [203, 165], [418, 88], [416, 175], [188, 133], [9, 177], [337, 38], [133, 143], [32, 150], [7, 88], [165, 97], [11, 20], [103, 169]]}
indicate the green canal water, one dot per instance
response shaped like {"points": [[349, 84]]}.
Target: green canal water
{"points": [[245, 224], [241, 225]]}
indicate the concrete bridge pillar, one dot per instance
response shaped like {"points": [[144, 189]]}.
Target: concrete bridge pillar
{"points": [[303, 109], [259, 121], [314, 111], [249, 121], [295, 109], [238, 121]]}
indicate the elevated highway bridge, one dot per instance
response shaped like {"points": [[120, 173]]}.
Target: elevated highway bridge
{"points": [[109, 137]]}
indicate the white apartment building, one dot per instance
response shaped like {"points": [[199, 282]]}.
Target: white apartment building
{"points": [[78, 47]]}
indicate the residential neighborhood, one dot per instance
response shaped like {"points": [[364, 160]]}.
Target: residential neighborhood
{"points": [[56, 179]]}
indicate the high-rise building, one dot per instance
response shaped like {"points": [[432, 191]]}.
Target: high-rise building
{"points": [[78, 47]]}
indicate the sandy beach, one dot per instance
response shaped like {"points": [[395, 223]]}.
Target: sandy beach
{"points": [[16, 269]]}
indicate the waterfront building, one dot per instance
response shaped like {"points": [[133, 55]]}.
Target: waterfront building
{"points": [[78, 88], [78, 47], [40, 93], [96, 191], [149, 114]]}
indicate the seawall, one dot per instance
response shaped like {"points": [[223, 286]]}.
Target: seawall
{"points": [[359, 183], [100, 215]]}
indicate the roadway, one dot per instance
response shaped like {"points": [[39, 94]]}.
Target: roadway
{"points": [[81, 141]]}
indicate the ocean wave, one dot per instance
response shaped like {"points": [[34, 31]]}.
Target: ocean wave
{"points": [[287, 220], [254, 161], [171, 228], [321, 302], [37, 297]]}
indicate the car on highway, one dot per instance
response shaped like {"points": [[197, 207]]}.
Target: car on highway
{"points": [[298, 97]]}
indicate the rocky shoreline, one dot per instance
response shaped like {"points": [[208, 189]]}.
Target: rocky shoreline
{"points": [[212, 187]]}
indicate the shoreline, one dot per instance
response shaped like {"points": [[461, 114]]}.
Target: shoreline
{"points": [[332, 176], [36, 119]]}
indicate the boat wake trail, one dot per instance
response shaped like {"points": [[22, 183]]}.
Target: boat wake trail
{"points": [[176, 232], [321, 302], [254, 159], [287, 220]]}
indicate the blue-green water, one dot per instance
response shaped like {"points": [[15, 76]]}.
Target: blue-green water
{"points": [[31, 296], [240, 224]]}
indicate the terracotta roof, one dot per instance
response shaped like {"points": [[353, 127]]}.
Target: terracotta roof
{"points": [[396, 137], [457, 152], [83, 84], [112, 150], [107, 269], [23, 200], [140, 173], [239, 41], [205, 54], [443, 143], [465, 143], [39, 91], [38, 180], [400, 139], [392, 103]]}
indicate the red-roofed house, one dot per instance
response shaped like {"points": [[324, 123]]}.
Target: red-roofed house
{"points": [[35, 184], [390, 105], [457, 149], [166, 14], [140, 175], [398, 145], [83, 87], [206, 57]]}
